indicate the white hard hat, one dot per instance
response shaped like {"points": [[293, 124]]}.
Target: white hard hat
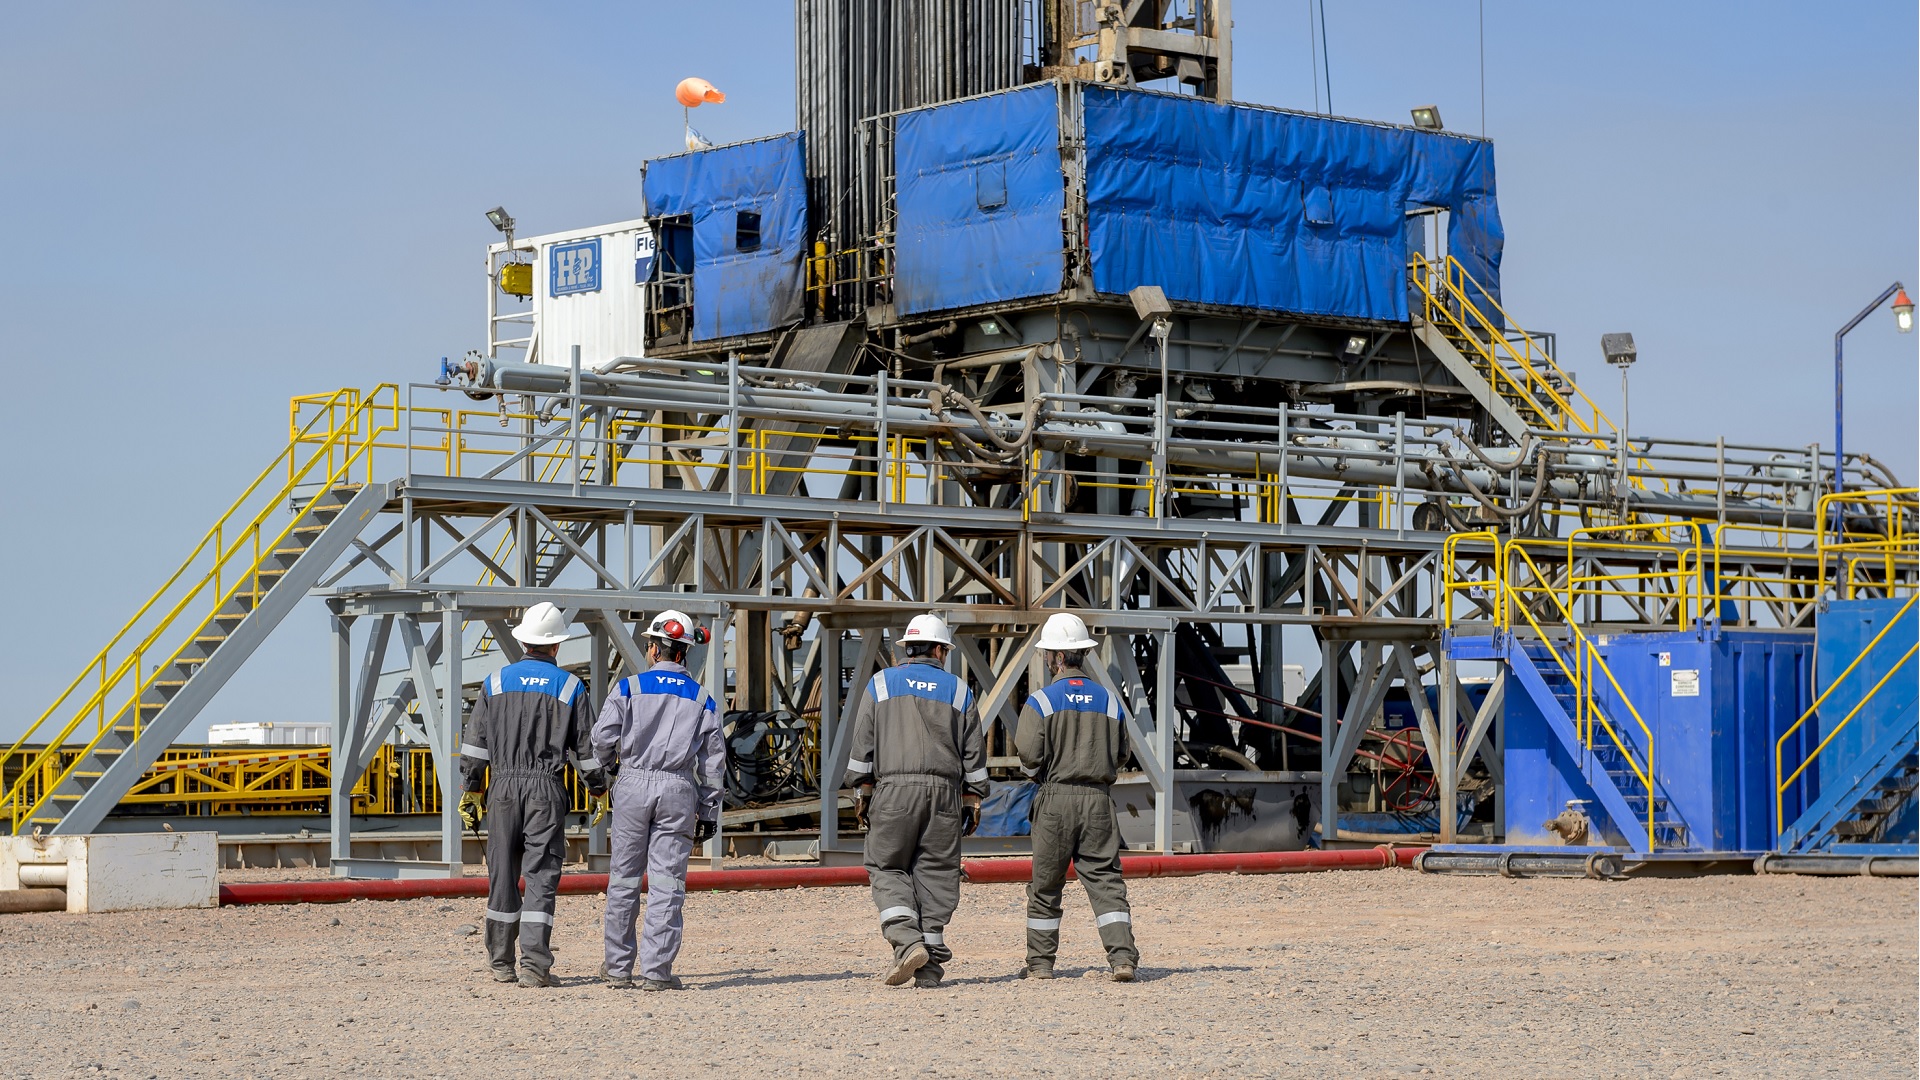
{"points": [[927, 629], [1065, 632], [542, 625], [677, 627]]}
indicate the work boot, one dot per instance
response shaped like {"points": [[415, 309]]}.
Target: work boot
{"points": [[617, 982], [531, 978], [1038, 971], [927, 978], [505, 975], [1122, 972], [671, 982], [910, 960]]}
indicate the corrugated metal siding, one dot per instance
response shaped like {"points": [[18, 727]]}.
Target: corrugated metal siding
{"points": [[605, 323]]}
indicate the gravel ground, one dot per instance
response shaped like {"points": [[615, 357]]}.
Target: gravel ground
{"points": [[1382, 973]]}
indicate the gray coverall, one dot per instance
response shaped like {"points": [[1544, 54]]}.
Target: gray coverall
{"points": [[917, 737], [1072, 738], [664, 730], [530, 716]]}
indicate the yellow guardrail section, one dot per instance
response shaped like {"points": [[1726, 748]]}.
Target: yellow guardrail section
{"points": [[1894, 551], [1584, 668], [1526, 370], [224, 565], [1581, 673], [1782, 783]]}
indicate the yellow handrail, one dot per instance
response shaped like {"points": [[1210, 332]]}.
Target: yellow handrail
{"points": [[1459, 309], [1897, 549], [348, 442], [1779, 746], [1584, 685], [1450, 583]]}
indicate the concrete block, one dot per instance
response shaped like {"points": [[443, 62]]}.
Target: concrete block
{"points": [[117, 871]]}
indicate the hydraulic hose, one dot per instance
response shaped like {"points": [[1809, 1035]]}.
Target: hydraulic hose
{"points": [[977, 871]]}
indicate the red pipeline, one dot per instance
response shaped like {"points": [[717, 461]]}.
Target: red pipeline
{"points": [[977, 871]]}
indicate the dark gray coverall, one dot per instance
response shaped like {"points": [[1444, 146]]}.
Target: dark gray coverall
{"points": [[530, 716], [1072, 738], [917, 738], [665, 732]]}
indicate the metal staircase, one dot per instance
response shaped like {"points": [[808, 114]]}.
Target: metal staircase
{"points": [[74, 764], [1507, 370], [1856, 799]]}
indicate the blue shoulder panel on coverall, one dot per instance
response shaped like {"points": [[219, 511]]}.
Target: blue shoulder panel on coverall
{"points": [[1257, 208], [747, 278], [978, 191]]}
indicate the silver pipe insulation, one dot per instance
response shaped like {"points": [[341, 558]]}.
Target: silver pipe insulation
{"points": [[1346, 457]]}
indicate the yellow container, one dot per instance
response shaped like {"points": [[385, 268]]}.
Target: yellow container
{"points": [[516, 279]]}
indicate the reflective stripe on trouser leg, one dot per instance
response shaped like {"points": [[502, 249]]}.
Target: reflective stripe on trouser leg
{"points": [[669, 844], [504, 845], [627, 835], [913, 860], [1097, 860], [1053, 840], [545, 822]]}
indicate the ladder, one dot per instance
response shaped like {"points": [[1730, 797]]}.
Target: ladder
{"points": [[72, 766]]}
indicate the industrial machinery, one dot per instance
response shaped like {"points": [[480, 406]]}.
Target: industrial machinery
{"points": [[1029, 315]]}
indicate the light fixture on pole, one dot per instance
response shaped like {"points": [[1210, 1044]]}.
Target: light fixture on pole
{"points": [[1621, 353], [1903, 320], [503, 221]]}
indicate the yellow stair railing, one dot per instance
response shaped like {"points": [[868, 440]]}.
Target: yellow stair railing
{"points": [[225, 565], [1518, 368], [1782, 783], [1847, 552], [1580, 661]]}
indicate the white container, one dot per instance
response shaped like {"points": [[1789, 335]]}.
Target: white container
{"points": [[117, 871], [267, 733]]}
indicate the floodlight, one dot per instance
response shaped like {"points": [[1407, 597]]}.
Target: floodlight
{"points": [[1427, 117], [501, 219], [1149, 301], [1618, 349], [1903, 312], [1356, 344]]}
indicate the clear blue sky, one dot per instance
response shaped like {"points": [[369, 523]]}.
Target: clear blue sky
{"points": [[215, 206]]}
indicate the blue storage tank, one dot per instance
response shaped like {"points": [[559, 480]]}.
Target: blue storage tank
{"points": [[1715, 702]]}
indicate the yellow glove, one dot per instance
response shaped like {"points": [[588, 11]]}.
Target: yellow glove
{"points": [[602, 806], [472, 806]]}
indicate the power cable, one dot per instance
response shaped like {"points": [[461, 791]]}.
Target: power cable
{"points": [[1326, 59], [1313, 51], [1483, 68]]}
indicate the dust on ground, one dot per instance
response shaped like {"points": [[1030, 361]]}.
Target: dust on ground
{"points": [[1382, 973]]}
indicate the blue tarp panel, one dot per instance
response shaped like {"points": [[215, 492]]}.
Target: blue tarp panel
{"points": [[744, 281], [1245, 207], [979, 194], [1008, 809]]}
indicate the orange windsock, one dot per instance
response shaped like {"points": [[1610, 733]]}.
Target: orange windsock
{"points": [[692, 92]]}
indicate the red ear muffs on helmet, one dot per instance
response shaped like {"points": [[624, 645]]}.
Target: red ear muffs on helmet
{"points": [[700, 635], [673, 629]]}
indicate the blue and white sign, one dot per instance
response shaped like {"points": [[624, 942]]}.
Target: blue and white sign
{"points": [[573, 267], [642, 256]]}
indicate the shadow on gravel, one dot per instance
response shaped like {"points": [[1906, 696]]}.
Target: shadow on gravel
{"points": [[699, 982]]}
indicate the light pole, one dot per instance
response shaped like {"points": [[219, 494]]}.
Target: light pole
{"points": [[1902, 318], [1620, 352]]}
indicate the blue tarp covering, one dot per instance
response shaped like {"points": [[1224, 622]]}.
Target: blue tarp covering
{"points": [[739, 291], [979, 194], [1246, 207], [1230, 205]]}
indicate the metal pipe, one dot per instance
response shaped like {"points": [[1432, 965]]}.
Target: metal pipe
{"points": [[20, 901], [1838, 865], [977, 871]]}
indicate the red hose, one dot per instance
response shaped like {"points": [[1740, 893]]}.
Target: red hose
{"points": [[978, 871]]}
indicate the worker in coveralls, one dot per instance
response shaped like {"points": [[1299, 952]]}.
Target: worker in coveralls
{"points": [[531, 715], [1071, 738], [662, 732], [919, 766]]}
